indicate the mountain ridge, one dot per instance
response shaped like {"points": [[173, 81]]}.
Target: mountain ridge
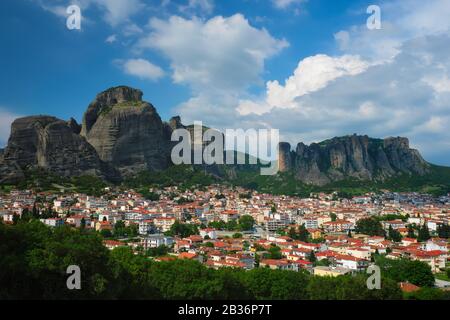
{"points": [[122, 135]]}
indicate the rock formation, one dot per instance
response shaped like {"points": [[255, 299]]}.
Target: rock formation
{"points": [[122, 135], [126, 131], [357, 157], [50, 143]]}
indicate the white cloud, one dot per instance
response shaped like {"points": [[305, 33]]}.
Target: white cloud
{"points": [[284, 4], [220, 54], [119, 11], [111, 39], [142, 69], [131, 30], [312, 74], [115, 12], [206, 6], [402, 20], [6, 119]]}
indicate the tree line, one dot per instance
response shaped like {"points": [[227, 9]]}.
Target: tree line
{"points": [[35, 259]]}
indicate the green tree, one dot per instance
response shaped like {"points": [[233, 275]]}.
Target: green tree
{"points": [[416, 272], [424, 233], [443, 231], [106, 233], [369, 226], [246, 223], [303, 234], [312, 257], [394, 235], [411, 232], [183, 230], [158, 252], [83, 223], [274, 253]]}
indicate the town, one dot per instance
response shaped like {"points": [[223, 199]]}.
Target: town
{"points": [[223, 226]]}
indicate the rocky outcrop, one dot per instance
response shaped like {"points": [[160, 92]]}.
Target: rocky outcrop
{"points": [[122, 135], [73, 124], [284, 157], [354, 157], [126, 131], [50, 143]]}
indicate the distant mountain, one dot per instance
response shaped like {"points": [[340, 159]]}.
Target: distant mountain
{"points": [[356, 157], [122, 136]]}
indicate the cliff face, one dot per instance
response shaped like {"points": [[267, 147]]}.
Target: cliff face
{"points": [[126, 131], [358, 157], [122, 135], [51, 143]]}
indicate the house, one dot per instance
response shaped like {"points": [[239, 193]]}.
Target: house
{"points": [[103, 225], [76, 220], [436, 259], [315, 233], [112, 244], [282, 264], [156, 240], [53, 222], [229, 215], [164, 223], [338, 226], [435, 244], [359, 253], [408, 287], [190, 256], [394, 224], [243, 261], [146, 227], [353, 263], [323, 271], [408, 241], [210, 232]]}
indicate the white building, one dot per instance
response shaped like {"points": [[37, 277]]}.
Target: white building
{"points": [[210, 232], [156, 240]]}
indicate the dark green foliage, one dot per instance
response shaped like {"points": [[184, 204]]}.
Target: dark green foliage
{"points": [[120, 230], [246, 223], [149, 195], [424, 234], [443, 231], [369, 226], [302, 234], [34, 260], [428, 294], [183, 230], [394, 235], [350, 288], [183, 175], [312, 257], [158, 252], [274, 253], [411, 232], [415, 272]]}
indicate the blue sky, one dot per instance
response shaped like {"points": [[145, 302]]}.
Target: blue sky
{"points": [[309, 68]]}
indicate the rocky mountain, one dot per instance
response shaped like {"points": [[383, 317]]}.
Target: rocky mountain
{"points": [[122, 135], [126, 131], [351, 157], [51, 143]]}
